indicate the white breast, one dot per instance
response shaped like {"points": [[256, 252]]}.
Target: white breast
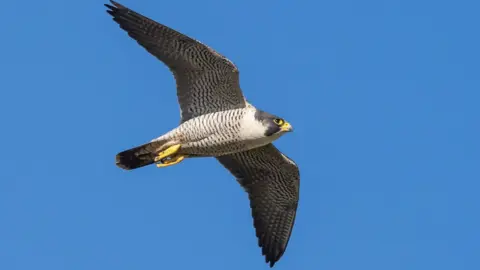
{"points": [[251, 129]]}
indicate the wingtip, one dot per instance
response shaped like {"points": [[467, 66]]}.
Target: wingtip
{"points": [[114, 6], [111, 9], [271, 256], [271, 261]]}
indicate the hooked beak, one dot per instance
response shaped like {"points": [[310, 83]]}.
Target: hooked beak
{"points": [[286, 127]]}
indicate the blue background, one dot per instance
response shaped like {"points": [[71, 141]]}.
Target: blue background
{"points": [[383, 96]]}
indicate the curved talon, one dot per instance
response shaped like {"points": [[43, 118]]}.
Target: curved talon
{"points": [[167, 152], [171, 161], [169, 157]]}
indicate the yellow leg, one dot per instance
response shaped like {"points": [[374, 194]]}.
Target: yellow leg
{"points": [[168, 157]]}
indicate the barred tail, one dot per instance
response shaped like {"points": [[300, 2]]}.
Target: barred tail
{"points": [[139, 156]]}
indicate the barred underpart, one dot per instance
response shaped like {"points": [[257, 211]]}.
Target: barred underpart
{"points": [[216, 120]]}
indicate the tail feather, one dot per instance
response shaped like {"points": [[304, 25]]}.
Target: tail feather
{"points": [[139, 156]]}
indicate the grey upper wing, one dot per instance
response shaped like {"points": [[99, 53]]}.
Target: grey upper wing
{"points": [[272, 181], [206, 81]]}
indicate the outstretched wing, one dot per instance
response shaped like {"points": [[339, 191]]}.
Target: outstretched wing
{"points": [[206, 81], [272, 181]]}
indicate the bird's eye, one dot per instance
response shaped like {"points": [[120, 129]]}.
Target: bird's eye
{"points": [[278, 121]]}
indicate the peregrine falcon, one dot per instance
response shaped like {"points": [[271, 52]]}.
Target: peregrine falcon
{"points": [[217, 121]]}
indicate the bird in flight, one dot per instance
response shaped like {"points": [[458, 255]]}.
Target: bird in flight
{"points": [[217, 121]]}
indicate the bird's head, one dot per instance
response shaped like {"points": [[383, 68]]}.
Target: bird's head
{"points": [[274, 125]]}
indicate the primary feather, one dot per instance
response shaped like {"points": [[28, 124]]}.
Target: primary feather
{"points": [[217, 121]]}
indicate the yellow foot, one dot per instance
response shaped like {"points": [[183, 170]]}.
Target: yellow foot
{"points": [[168, 156], [167, 152], [170, 161]]}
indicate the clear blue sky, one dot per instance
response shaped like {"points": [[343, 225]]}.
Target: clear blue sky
{"points": [[383, 95]]}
